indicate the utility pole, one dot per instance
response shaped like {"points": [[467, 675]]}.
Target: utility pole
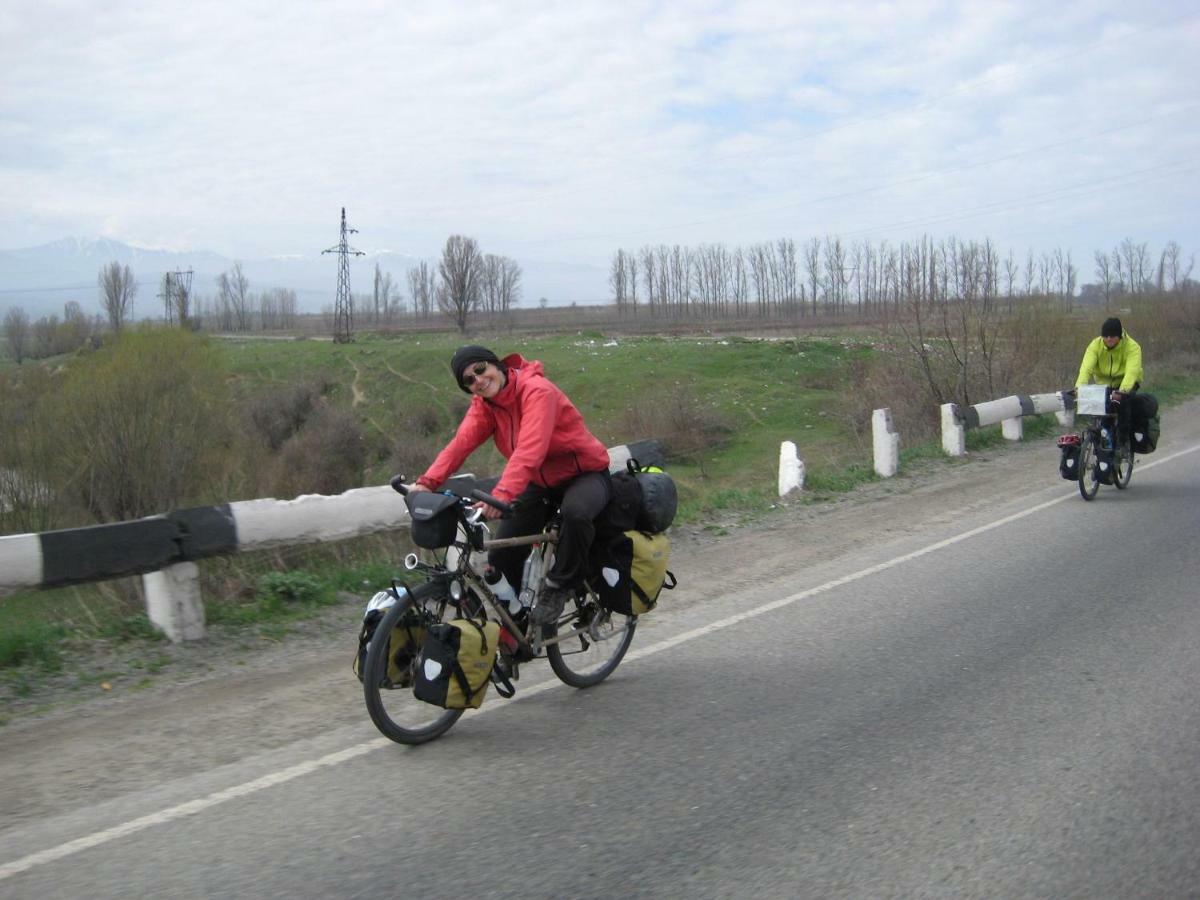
{"points": [[343, 310]]}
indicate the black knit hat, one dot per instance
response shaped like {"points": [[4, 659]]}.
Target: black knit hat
{"points": [[464, 356], [1111, 327]]}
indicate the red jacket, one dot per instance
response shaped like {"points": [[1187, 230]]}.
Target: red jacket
{"points": [[534, 425]]}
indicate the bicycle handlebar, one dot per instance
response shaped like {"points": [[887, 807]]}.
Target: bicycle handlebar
{"points": [[502, 505], [505, 507]]}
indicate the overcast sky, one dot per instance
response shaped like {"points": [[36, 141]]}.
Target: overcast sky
{"points": [[563, 131]]}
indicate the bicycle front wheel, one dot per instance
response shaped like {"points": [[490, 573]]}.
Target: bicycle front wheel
{"points": [[594, 641], [1089, 480], [1124, 463], [394, 710]]}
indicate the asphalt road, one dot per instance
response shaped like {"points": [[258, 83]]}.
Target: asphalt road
{"points": [[1000, 705]]}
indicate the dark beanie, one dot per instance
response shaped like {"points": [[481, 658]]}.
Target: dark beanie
{"points": [[1111, 327], [464, 356]]}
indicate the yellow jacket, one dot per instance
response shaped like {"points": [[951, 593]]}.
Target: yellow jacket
{"points": [[1120, 368]]}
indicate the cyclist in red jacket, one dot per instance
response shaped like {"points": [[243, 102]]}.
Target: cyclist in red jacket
{"points": [[551, 454]]}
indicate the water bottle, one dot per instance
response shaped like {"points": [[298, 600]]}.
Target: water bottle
{"points": [[533, 572], [502, 589]]}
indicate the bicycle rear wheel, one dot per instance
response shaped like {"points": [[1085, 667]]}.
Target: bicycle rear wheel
{"points": [[594, 643], [395, 711], [1089, 481]]}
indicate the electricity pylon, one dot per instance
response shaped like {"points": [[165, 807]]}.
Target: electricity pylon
{"points": [[177, 286], [343, 310]]}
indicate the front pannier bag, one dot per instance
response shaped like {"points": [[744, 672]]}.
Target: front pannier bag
{"points": [[456, 662], [404, 643], [1068, 463], [434, 522]]}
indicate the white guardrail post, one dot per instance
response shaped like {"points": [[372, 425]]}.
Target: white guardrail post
{"points": [[791, 469], [954, 433], [886, 443]]}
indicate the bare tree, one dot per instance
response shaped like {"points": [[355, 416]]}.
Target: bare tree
{"points": [[1136, 258], [1173, 272], [461, 270], [1118, 270], [510, 284], [16, 333], [1105, 275], [117, 290], [500, 284], [382, 296], [812, 265], [233, 291], [649, 275], [618, 280], [421, 288]]}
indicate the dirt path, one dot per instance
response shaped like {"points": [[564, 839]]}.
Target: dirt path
{"points": [[356, 387], [231, 696]]}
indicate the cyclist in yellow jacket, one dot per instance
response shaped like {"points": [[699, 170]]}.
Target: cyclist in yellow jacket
{"points": [[1115, 359]]}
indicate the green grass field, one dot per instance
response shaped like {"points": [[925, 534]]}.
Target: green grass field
{"points": [[754, 394]]}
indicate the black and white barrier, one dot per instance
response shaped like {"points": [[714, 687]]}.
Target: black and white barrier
{"points": [[163, 549], [1006, 411]]}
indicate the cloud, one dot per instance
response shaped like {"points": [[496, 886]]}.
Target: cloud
{"points": [[567, 131]]}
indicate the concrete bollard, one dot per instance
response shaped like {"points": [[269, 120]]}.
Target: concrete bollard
{"points": [[886, 443], [954, 433], [1012, 429], [791, 469], [173, 601]]}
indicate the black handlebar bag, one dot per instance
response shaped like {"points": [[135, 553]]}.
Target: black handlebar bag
{"points": [[434, 519]]}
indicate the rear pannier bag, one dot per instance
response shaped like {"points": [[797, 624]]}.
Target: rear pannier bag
{"points": [[629, 571], [404, 644], [1146, 424], [434, 519], [1068, 463], [456, 663]]}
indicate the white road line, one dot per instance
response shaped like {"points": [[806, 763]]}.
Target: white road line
{"points": [[24, 864]]}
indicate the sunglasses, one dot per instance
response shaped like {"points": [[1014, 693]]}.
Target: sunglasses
{"points": [[478, 369]]}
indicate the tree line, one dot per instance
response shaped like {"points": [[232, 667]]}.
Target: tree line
{"points": [[464, 282], [828, 276]]}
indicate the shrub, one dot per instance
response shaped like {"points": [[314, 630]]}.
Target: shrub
{"points": [[685, 426], [139, 425], [326, 457], [280, 588], [417, 441]]}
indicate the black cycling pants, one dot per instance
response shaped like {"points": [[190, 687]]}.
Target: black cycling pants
{"points": [[581, 500]]}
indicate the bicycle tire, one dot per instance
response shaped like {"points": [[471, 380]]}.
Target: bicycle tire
{"points": [[395, 711], [583, 661], [1089, 483], [1124, 471]]}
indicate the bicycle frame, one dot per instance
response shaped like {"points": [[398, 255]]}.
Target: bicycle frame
{"points": [[472, 530], [472, 533]]}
